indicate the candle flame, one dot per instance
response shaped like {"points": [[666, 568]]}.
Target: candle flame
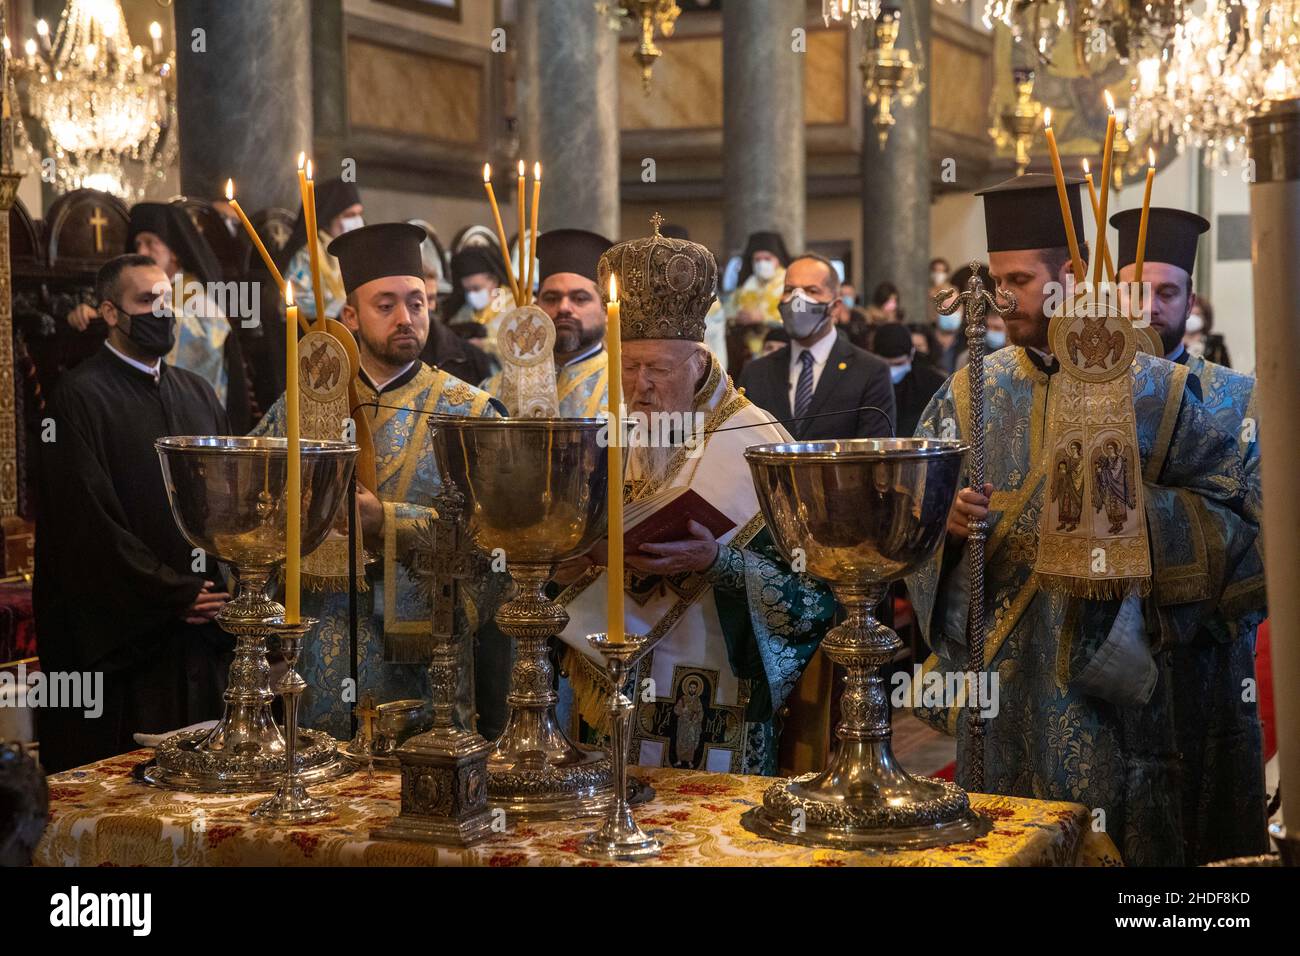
{"points": [[155, 30], [537, 172], [30, 47], [521, 169], [1110, 102], [288, 292], [1047, 118], [309, 170], [613, 287], [487, 172], [42, 27], [1151, 157], [1085, 166], [230, 190], [302, 158]]}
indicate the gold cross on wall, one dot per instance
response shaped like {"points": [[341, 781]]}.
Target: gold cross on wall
{"points": [[99, 222]]}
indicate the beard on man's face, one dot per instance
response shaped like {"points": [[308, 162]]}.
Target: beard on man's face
{"points": [[571, 336], [1027, 329], [400, 347]]}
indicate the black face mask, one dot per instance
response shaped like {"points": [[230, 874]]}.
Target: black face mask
{"points": [[153, 333]]}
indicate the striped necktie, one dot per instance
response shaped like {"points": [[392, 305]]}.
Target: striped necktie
{"points": [[803, 389]]}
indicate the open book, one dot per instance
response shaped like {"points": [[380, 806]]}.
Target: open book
{"points": [[664, 516]]}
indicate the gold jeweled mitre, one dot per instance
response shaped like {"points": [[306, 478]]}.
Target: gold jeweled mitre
{"points": [[665, 286]]}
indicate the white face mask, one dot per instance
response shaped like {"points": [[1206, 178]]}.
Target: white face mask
{"points": [[478, 299], [899, 372], [950, 321], [938, 277], [765, 268], [348, 223], [1194, 324]]}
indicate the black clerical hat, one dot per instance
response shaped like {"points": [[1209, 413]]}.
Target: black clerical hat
{"points": [[374, 252], [570, 250], [766, 241], [1025, 213], [892, 340], [170, 223], [1172, 235], [473, 260]]}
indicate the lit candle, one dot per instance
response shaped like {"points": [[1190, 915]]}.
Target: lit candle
{"points": [[532, 229], [1142, 222], [1107, 156], [501, 232], [520, 195], [255, 239], [1076, 260], [614, 549], [1092, 196], [293, 477], [155, 34], [307, 187]]}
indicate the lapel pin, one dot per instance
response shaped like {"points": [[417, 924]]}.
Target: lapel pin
{"points": [[843, 366]]}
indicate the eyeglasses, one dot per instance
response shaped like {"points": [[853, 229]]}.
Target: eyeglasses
{"points": [[654, 374]]}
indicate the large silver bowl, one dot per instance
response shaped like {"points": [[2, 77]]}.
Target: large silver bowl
{"points": [[866, 509], [859, 514], [534, 487], [536, 490], [227, 496], [227, 493]]}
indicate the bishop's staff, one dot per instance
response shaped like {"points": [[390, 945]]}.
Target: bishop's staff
{"points": [[976, 301]]}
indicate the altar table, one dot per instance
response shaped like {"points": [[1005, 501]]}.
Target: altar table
{"points": [[101, 815]]}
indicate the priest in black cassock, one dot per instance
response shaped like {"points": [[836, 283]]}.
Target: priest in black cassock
{"points": [[117, 589]]}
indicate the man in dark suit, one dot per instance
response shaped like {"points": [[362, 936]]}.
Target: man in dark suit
{"points": [[820, 373]]}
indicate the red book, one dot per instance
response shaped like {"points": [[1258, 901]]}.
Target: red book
{"points": [[664, 517]]}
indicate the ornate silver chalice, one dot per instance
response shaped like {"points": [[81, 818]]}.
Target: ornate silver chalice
{"points": [[227, 496], [534, 493], [861, 514]]}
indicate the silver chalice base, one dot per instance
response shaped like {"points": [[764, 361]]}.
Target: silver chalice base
{"points": [[918, 812], [183, 763]]}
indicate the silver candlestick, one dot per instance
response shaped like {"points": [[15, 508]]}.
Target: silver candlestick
{"points": [[619, 838], [291, 802]]}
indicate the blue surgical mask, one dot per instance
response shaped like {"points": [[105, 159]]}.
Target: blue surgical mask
{"points": [[899, 372], [847, 300], [995, 340], [950, 321]]}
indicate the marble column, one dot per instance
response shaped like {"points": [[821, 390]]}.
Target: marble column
{"points": [[576, 118], [896, 187], [245, 98], [763, 125], [1274, 140], [329, 86]]}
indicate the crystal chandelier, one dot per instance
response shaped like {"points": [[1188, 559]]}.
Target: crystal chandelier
{"points": [[1098, 30], [854, 11], [1221, 67], [102, 109]]}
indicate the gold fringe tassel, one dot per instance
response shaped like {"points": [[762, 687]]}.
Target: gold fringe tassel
{"points": [[1091, 589]]}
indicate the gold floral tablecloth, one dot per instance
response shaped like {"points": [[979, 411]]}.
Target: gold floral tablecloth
{"points": [[100, 815]]}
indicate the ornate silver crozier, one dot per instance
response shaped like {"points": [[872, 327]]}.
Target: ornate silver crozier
{"points": [[534, 491], [861, 514], [227, 496]]}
